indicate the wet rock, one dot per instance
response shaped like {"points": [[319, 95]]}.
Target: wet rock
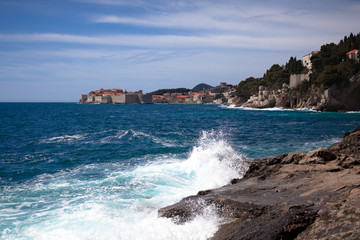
{"points": [[235, 180], [313, 195], [202, 193]]}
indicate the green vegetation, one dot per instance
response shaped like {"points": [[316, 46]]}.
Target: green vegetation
{"points": [[170, 90], [221, 96], [201, 86], [248, 87], [273, 78], [197, 88], [330, 66]]}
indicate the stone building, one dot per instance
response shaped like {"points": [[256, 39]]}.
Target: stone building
{"points": [[353, 54], [306, 61]]}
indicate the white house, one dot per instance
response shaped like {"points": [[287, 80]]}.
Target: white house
{"points": [[353, 54], [307, 59]]}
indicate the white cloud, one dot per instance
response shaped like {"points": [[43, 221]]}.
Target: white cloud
{"points": [[172, 41], [183, 43], [184, 71], [246, 19]]}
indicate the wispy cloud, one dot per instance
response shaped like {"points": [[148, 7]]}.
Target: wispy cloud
{"points": [[128, 56], [187, 21], [153, 44], [171, 41], [152, 4], [235, 19]]}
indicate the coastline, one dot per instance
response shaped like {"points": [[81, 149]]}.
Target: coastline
{"points": [[282, 109], [312, 195]]}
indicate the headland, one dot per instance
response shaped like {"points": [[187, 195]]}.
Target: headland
{"points": [[314, 195], [326, 80]]}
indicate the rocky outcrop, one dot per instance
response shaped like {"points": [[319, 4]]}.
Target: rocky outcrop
{"points": [[313, 195], [336, 98], [346, 98], [264, 99]]}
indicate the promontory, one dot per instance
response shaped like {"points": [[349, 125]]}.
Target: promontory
{"points": [[314, 195]]}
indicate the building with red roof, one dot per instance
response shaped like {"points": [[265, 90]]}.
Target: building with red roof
{"points": [[353, 54]]}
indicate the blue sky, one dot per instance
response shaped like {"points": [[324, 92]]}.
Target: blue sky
{"points": [[56, 50]]}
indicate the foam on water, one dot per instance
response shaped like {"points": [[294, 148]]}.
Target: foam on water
{"points": [[271, 109], [112, 201], [318, 144], [131, 135], [64, 138]]}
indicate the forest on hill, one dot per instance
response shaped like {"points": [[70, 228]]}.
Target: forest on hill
{"points": [[170, 90], [200, 87], [330, 66]]}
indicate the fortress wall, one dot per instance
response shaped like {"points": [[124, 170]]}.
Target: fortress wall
{"points": [[118, 99], [145, 98], [90, 99], [132, 99], [296, 79]]}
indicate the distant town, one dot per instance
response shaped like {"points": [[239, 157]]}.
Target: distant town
{"points": [[325, 80], [200, 94]]}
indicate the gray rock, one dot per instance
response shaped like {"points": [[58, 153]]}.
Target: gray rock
{"points": [[291, 196]]}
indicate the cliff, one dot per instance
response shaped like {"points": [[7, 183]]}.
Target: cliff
{"points": [[313, 195], [344, 97]]}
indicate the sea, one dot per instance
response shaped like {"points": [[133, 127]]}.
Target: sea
{"points": [[72, 171]]}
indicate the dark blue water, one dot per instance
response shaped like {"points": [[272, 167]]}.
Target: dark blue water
{"points": [[70, 171]]}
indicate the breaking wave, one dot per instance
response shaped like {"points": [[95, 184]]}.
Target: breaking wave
{"points": [[113, 201]]}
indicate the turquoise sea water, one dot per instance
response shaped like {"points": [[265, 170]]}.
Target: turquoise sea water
{"points": [[70, 171]]}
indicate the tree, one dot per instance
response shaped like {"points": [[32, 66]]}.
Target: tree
{"points": [[330, 66], [294, 66], [248, 87], [275, 77], [171, 90], [329, 76]]}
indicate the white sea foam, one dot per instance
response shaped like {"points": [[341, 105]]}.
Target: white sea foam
{"points": [[130, 135], [64, 138], [318, 144], [272, 109], [164, 142], [229, 106], [123, 203]]}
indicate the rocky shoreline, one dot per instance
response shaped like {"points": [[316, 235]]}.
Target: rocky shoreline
{"points": [[334, 99], [313, 195]]}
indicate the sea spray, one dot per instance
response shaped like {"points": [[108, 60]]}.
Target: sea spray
{"points": [[213, 161], [123, 202], [70, 171]]}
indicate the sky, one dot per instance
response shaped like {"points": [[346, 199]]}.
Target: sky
{"points": [[55, 50]]}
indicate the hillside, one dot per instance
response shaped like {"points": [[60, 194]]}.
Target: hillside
{"points": [[170, 90], [333, 81], [201, 87], [273, 78]]}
